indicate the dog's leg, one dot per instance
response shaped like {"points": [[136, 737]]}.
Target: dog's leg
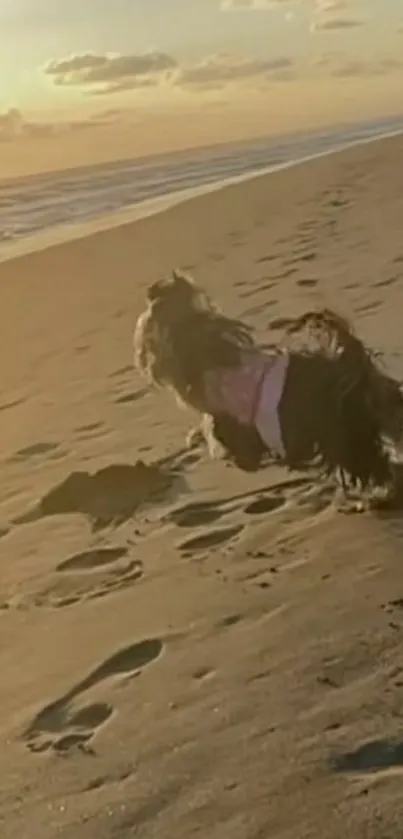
{"points": [[196, 436], [203, 435], [342, 480]]}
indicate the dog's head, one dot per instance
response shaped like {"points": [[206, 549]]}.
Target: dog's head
{"points": [[164, 327], [182, 335], [177, 296]]}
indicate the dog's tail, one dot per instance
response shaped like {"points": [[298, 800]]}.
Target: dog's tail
{"points": [[332, 330], [359, 366]]}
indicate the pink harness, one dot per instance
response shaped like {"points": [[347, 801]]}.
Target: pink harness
{"points": [[251, 393]]}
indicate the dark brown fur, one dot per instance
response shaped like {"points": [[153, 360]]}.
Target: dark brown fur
{"points": [[319, 419], [357, 367], [182, 334], [242, 443]]}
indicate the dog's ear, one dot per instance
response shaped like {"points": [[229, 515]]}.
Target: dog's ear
{"points": [[156, 290], [181, 277], [177, 282], [183, 286]]}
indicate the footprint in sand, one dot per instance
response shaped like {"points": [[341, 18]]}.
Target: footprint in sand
{"points": [[89, 427], [307, 283], [288, 272], [228, 621], [368, 307], [236, 237], [133, 396], [205, 512], [252, 292], [393, 606], [39, 449], [121, 371], [6, 406], [302, 257], [210, 539], [92, 431], [196, 514], [255, 310], [267, 258], [384, 283], [266, 504], [372, 756], [66, 723], [336, 202], [308, 226], [280, 323], [90, 560], [86, 576]]}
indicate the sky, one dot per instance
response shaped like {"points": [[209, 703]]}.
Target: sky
{"points": [[90, 80]]}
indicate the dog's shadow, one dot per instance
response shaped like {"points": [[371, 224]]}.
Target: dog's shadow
{"points": [[112, 495], [372, 756]]}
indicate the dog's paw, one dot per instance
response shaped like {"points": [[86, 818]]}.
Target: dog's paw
{"points": [[195, 438]]}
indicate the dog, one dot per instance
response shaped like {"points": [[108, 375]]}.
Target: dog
{"points": [[331, 404]]}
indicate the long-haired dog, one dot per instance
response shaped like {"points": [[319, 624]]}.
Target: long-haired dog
{"points": [[331, 403]]}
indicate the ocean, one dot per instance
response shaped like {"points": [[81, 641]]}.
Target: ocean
{"points": [[51, 202]]}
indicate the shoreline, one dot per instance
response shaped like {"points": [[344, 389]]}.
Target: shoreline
{"points": [[64, 234]]}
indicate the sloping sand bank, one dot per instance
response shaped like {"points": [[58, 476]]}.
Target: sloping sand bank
{"points": [[186, 650]]}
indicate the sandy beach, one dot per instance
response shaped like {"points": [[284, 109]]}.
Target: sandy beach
{"points": [[187, 650]]}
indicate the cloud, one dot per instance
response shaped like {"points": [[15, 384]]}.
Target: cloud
{"points": [[125, 85], [325, 14], [330, 5], [14, 126], [334, 24], [247, 5], [218, 70], [259, 5], [339, 66], [100, 75], [111, 73]]}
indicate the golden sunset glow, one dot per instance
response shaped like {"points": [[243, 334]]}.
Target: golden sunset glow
{"points": [[89, 80]]}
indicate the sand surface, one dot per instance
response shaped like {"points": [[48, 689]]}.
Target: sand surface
{"points": [[186, 650]]}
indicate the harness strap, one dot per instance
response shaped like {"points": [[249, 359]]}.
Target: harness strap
{"points": [[259, 387]]}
